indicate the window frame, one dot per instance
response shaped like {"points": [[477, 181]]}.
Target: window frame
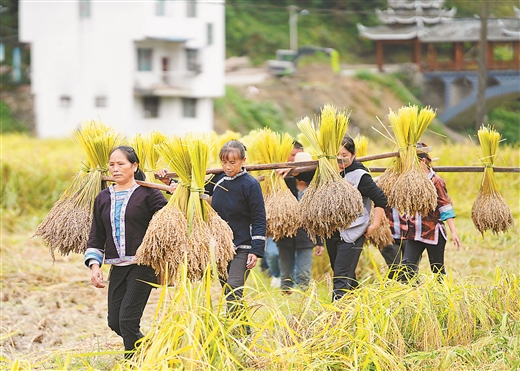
{"points": [[144, 65], [151, 104], [189, 107]]}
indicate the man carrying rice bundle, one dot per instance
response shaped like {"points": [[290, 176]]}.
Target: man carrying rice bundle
{"points": [[427, 232]]}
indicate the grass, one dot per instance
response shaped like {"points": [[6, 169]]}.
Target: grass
{"points": [[52, 318]]}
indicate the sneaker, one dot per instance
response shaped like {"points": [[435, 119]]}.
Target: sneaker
{"points": [[276, 282]]}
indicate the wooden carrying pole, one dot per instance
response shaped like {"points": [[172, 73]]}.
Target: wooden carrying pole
{"points": [[303, 166]]}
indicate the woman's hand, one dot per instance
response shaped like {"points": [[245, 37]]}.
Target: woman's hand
{"points": [[456, 240], [251, 261], [97, 276], [283, 172], [319, 250], [161, 175], [371, 228]]}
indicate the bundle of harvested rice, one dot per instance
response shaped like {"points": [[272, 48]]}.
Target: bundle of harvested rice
{"points": [[281, 206], [146, 149], [330, 203], [490, 210], [361, 143], [405, 183], [186, 229], [67, 226], [217, 141], [382, 236]]}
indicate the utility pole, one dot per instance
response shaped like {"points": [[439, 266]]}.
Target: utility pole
{"points": [[293, 27], [482, 76]]}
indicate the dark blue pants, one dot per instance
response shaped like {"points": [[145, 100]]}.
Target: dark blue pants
{"points": [[127, 298]]}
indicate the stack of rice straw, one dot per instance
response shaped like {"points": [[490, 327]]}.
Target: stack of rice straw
{"points": [[282, 212], [187, 230], [382, 236], [146, 149], [405, 183], [217, 143], [490, 210], [66, 227], [330, 203]]}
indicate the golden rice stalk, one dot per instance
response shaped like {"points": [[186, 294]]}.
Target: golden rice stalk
{"points": [[382, 236], [361, 143], [330, 207], [189, 232], [490, 210], [413, 192], [67, 225], [217, 141], [330, 203], [281, 206], [165, 243], [222, 236], [282, 214], [146, 149], [405, 184]]}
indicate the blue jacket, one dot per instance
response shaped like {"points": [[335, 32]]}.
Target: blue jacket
{"points": [[241, 205]]}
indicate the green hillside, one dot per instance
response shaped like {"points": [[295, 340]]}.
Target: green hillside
{"points": [[258, 28]]}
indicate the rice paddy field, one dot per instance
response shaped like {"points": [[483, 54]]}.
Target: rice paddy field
{"points": [[52, 318]]}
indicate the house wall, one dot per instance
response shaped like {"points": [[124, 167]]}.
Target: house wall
{"points": [[85, 58]]}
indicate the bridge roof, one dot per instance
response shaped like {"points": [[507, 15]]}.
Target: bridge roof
{"points": [[469, 30], [452, 31]]}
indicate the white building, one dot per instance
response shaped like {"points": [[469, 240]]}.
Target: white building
{"points": [[138, 66]]}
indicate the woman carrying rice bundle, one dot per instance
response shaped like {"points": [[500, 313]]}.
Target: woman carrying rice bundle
{"points": [[427, 232], [237, 198], [122, 213], [344, 246]]}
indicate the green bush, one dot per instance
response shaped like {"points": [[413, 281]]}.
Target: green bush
{"points": [[506, 120], [244, 115], [7, 123]]}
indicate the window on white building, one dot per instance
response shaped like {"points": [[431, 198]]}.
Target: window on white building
{"points": [[151, 106], [210, 33], [84, 8], [160, 7], [144, 59], [101, 101], [189, 107], [192, 60], [65, 101], [192, 8]]}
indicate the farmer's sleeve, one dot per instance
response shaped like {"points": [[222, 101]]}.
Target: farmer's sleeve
{"points": [[157, 201], [258, 219], [443, 200], [368, 188], [96, 241]]}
